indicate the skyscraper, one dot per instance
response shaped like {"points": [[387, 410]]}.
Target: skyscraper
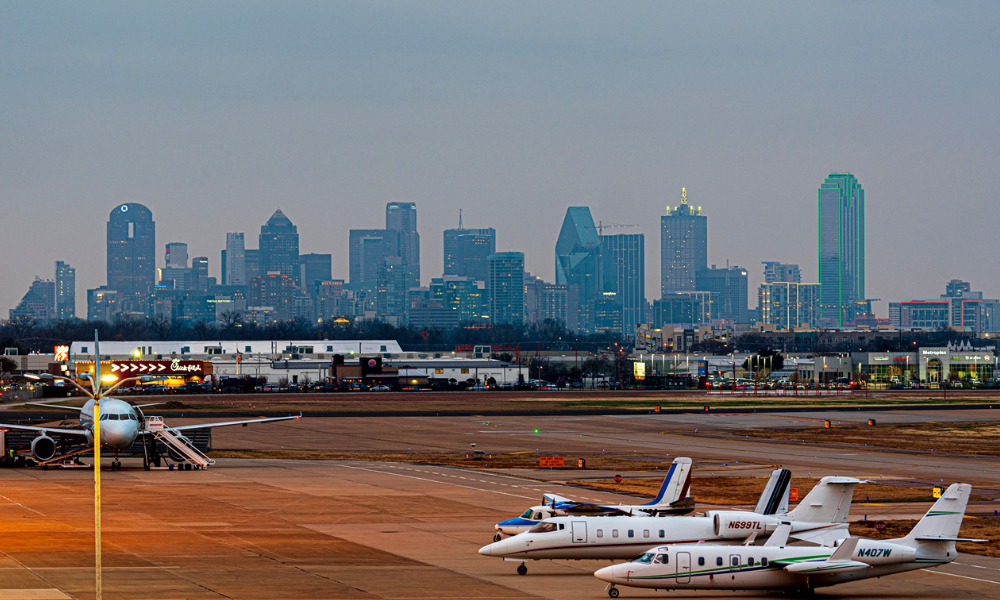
{"points": [[683, 247], [841, 209], [279, 246], [132, 254], [402, 217], [65, 291], [367, 250], [728, 287], [314, 268], [235, 262], [776, 272], [578, 263], [506, 288], [788, 304], [175, 275], [391, 300], [39, 303], [624, 258], [467, 251], [272, 293]]}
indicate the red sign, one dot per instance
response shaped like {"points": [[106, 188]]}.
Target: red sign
{"points": [[548, 462], [61, 353], [793, 494]]}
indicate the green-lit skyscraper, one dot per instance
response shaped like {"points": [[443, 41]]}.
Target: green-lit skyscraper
{"points": [[841, 208]]}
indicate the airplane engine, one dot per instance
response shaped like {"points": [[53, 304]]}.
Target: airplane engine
{"points": [[739, 525], [174, 455], [43, 448]]}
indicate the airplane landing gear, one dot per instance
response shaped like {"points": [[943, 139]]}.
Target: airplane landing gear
{"points": [[497, 537], [522, 569], [612, 591]]}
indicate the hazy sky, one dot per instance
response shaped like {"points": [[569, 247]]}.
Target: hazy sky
{"points": [[213, 114]]}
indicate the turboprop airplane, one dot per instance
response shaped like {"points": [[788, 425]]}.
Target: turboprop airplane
{"points": [[672, 499], [775, 566], [121, 425], [820, 518]]}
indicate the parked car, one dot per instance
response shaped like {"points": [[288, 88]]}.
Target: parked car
{"points": [[381, 388]]}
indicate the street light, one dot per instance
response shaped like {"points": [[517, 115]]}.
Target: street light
{"points": [[95, 394]]}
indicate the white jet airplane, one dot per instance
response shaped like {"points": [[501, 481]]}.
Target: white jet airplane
{"points": [[820, 518], [121, 425], [672, 499], [775, 566]]}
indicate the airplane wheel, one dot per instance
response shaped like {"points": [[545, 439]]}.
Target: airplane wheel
{"points": [[613, 592], [521, 569], [497, 537]]}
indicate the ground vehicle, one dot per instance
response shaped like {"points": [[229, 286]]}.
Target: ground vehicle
{"points": [[380, 388]]}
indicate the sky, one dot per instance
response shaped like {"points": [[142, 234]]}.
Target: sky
{"points": [[214, 114]]}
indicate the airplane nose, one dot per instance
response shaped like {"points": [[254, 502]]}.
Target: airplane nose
{"points": [[606, 574], [487, 550]]}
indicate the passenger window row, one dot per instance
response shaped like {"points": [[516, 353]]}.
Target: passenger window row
{"points": [[631, 533]]}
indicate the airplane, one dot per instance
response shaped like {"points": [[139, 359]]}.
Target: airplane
{"points": [[671, 499], [779, 567], [820, 518], [121, 425]]}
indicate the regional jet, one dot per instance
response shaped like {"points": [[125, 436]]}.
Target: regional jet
{"points": [[820, 518], [121, 425], [779, 567]]}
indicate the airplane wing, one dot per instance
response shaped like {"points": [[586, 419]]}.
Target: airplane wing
{"points": [[42, 429], [583, 509], [42, 404], [228, 423]]}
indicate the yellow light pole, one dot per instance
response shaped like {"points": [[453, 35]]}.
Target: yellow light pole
{"points": [[96, 394]]}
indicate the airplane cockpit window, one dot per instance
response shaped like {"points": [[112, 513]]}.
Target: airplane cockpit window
{"points": [[645, 559], [526, 514], [543, 528], [661, 559]]}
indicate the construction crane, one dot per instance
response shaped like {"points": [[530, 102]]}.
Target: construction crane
{"points": [[600, 227]]}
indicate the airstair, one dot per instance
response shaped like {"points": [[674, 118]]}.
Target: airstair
{"points": [[180, 445]]}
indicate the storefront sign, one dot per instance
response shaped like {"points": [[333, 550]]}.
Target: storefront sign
{"points": [[61, 353]]}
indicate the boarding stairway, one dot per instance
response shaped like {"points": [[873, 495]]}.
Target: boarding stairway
{"points": [[180, 445]]}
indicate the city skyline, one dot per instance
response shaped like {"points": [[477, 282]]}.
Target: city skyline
{"points": [[509, 118]]}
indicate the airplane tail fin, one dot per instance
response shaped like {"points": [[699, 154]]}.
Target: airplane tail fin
{"points": [[943, 521], [676, 484], [828, 502], [775, 493]]}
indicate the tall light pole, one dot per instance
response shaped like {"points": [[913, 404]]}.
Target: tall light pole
{"points": [[95, 394]]}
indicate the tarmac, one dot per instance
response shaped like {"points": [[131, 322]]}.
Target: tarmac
{"points": [[312, 529]]}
